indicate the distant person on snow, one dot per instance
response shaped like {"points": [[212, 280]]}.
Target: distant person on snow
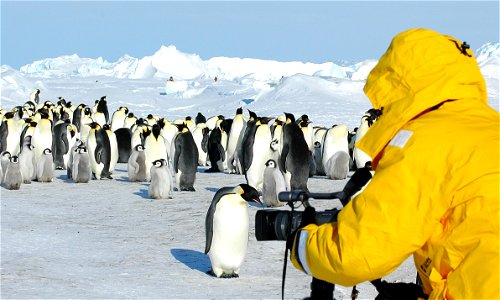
{"points": [[435, 191]]}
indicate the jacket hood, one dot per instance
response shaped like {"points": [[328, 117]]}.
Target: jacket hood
{"points": [[420, 69]]}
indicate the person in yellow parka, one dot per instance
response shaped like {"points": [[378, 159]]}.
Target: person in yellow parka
{"points": [[435, 191]]}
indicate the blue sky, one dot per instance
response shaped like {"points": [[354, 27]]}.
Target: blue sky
{"points": [[280, 30]]}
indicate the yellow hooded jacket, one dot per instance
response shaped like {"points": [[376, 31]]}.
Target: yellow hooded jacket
{"points": [[435, 192]]}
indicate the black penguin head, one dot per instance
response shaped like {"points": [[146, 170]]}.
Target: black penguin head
{"points": [[156, 130], [304, 118], [150, 116], [274, 145], [239, 111], [271, 163], [253, 115], [8, 115], [200, 118], [290, 118], [103, 98], [106, 127], [249, 193], [188, 118], [44, 113], [317, 144], [264, 120], [47, 151], [87, 111], [130, 115], [94, 125], [182, 127], [14, 159], [139, 147], [37, 91]]}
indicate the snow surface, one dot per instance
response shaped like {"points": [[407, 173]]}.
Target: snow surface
{"points": [[106, 239]]}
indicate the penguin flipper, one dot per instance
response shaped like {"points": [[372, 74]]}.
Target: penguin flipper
{"points": [[204, 141], [98, 153], [209, 221], [177, 155], [222, 153], [284, 153]]}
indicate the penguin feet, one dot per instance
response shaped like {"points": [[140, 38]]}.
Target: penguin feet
{"points": [[232, 275], [188, 189], [212, 170]]}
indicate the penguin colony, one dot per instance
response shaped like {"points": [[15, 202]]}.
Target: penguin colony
{"points": [[274, 153]]}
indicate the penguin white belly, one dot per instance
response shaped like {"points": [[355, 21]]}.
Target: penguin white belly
{"points": [[154, 150], [42, 139], [261, 153], [114, 151], [178, 179], [230, 237]]}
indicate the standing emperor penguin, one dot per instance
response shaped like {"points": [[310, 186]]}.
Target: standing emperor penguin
{"points": [[216, 151], [81, 171], [124, 142], [361, 158], [63, 139], [42, 136], [10, 131], [185, 159], [105, 150], [95, 149], [274, 183], [130, 120], [13, 176], [226, 228], [113, 147], [161, 180], [257, 151], [155, 149], [200, 136], [118, 118], [295, 155], [336, 152], [35, 97], [235, 137], [45, 167], [85, 124], [101, 115], [137, 164], [27, 162], [77, 116]]}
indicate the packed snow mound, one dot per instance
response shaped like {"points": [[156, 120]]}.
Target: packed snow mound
{"points": [[362, 69], [488, 58]]}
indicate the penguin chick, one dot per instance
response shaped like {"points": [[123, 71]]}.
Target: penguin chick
{"points": [[161, 180], [13, 176], [45, 167]]}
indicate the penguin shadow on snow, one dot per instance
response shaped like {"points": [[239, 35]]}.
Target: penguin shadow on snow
{"points": [[195, 260], [143, 192], [212, 189]]}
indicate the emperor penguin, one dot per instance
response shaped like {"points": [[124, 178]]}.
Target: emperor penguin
{"points": [[305, 125], [138, 131], [106, 151], [216, 151], [118, 118], [136, 166], [42, 136], [295, 155], [200, 136], [226, 228], [113, 146], [161, 180], [63, 139], [359, 156], [85, 124], [95, 148], [244, 152], [27, 162], [45, 167], [212, 121], [124, 142], [13, 176], [81, 171], [259, 151], [235, 137], [319, 134], [77, 116], [185, 159], [101, 115], [336, 152], [35, 97], [274, 183], [155, 148], [10, 131]]}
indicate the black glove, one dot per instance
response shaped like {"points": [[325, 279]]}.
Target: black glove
{"points": [[398, 290], [308, 217]]}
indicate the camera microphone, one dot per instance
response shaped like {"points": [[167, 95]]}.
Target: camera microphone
{"points": [[358, 180]]}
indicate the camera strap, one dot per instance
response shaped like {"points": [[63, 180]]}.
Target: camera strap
{"points": [[283, 276]]}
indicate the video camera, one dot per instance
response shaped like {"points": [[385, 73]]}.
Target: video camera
{"points": [[275, 224]]}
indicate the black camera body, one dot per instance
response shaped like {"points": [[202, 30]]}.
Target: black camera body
{"points": [[275, 224]]}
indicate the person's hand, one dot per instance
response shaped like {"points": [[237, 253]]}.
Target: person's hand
{"points": [[308, 217]]}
